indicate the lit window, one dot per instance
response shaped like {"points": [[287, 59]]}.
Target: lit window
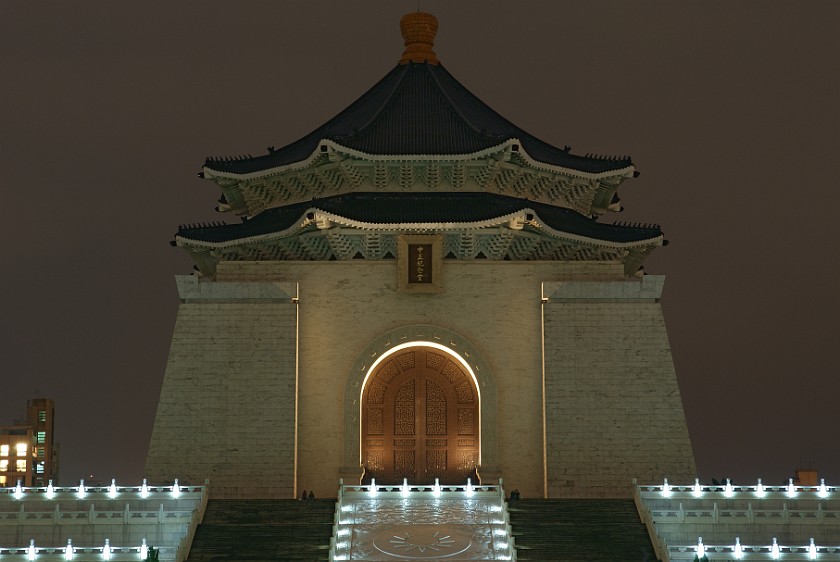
{"points": [[4, 450], [41, 452], [42, 415], [42, 437], [2, 480], [39, 468], [21, 449], [20, 465], [4, 465]]}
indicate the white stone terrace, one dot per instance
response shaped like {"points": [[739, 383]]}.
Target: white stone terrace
{"points": [[410, 522], [737, 522], [94, 523]]}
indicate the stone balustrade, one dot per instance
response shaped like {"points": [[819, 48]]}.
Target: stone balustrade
{"points": [[742, 522]]}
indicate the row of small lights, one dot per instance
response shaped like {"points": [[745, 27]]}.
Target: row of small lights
{"points": [[81, 490], [738, 550], [69, 551], [760, 491], [373, 489]]}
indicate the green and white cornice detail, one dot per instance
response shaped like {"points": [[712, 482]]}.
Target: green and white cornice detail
{"points": [[324, 237], [334, 170]]}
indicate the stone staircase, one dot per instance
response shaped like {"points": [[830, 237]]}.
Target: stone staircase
{"points": [[579, 530], [264, 530]]}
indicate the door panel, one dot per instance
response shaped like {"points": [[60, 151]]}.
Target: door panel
{"points": [[420, 420]]}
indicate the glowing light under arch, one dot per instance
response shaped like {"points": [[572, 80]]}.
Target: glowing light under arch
{"points": [[420, 343]]}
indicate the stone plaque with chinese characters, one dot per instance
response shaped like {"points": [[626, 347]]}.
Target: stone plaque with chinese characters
{"points": [[419, 263]]}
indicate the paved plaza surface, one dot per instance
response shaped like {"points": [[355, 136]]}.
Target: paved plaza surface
{"points": [[423, 529]]}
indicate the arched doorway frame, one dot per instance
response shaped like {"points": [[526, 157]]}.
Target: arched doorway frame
{"points": [[454, 345]]}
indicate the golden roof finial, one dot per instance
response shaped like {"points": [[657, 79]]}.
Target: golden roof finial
{"points": [[418, 31]]}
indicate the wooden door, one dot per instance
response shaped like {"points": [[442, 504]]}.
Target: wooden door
{"points": [[420, 420]]}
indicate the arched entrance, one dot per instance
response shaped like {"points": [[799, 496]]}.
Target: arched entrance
{"points": [[420, 419]]}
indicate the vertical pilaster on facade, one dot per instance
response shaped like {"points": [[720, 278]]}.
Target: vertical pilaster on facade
{"points": [[229, 396], [613, 410]]}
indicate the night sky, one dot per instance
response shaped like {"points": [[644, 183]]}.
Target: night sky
{"points": [[729, 110]]}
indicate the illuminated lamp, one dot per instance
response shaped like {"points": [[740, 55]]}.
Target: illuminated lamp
{"points": [[50, 491], [666, 489], [372, 488], [112, 489], [81, 492], [759, 490], [698, 491], [436, 489], [404, 488], [823, 491], [106, 550], [18, 491], [144, 490], [470, 489], [739, 551], [727, 490], [701, 550], [144, 550], [68, 550], [812, 550], [176, 489], [30, 552], [791, 489], [775, 554]]}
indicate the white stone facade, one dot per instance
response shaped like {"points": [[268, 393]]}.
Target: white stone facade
{"points": [[579, 392]]}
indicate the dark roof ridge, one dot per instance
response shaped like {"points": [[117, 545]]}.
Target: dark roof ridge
{"points": [[422, 208]]}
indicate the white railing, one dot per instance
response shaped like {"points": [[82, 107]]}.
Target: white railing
{"points": [[714, 514], [739, 551], [115, 553], [393, 491], [20, 498], [662, 508], [112, 492], [733, 491]]}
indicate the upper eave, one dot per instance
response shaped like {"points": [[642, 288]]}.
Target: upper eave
{"points": [[326, 150], [417, 111]]}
